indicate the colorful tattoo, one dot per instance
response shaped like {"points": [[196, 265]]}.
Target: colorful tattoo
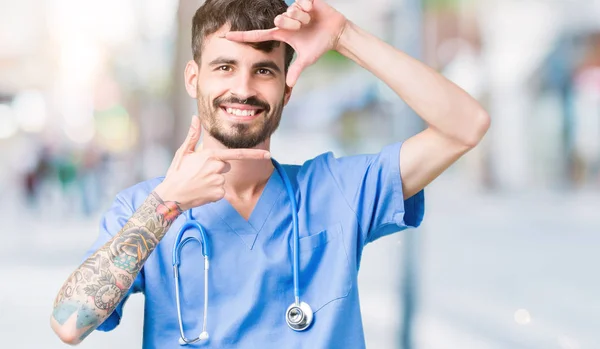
{"points": [[86, 316], [106, 293], [94, 290], [157, 209], [130, 249], [63, 311], [168, 210]]}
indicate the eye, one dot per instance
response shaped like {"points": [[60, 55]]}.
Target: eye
{"points": [[225, 68], [263, 71]]}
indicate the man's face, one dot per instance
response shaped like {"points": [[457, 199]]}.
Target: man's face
{"points": [[241, 91]]}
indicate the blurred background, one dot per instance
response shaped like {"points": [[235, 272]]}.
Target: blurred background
{"points": [[92, 101]]}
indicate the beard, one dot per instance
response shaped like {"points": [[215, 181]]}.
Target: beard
{"points": [[240, 135]]}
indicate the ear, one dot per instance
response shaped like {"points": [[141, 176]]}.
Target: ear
{"points": [[191, 78], [287, 94]]}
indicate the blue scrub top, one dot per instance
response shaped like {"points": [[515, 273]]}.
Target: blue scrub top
{"points": [[343, 204]]}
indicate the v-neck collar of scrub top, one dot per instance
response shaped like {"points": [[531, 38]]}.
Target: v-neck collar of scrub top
{"points": [[248, 230]]}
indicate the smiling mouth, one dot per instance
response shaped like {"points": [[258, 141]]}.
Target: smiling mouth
{"points": [[242, 113]]}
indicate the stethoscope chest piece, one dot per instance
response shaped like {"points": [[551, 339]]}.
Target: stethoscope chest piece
{"points": [[299, 316]]}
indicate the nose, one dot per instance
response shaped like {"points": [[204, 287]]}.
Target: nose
{"points": [[243, 85]]}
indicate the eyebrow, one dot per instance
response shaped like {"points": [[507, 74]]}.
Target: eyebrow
{"points": [[262, 64], [266, 64], [222, 60]]}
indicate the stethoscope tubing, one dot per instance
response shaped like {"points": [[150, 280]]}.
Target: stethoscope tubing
{"points": [[295, 232], [176, 262], [193, 224]]}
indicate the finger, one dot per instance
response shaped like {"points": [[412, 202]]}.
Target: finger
{"points": [[193, 133], [296, 12], [225, 168], [241, 154], [306, 5], [294, 72], [218, 179], [214, 165], [192, 136], [216, 193], [219, 193], [286, 23], [253, 35]]}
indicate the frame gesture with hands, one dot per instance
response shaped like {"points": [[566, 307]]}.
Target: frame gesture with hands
{"points": [[197, 176], [311, 27]]}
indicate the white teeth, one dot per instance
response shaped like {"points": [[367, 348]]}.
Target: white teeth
{"points": [[239, 112]]}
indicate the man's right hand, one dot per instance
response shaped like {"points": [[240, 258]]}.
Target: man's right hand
{"points": [[197, 177]]}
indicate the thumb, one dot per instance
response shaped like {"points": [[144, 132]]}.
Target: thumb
{"points": [[193, 135], [294, 71], [189, 143]]}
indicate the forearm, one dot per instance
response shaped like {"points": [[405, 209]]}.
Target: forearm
{"points": [[93, 291], [439, 102]]}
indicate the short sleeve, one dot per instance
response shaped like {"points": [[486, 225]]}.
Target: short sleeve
{"points": [[110, 224], [372, 186]]}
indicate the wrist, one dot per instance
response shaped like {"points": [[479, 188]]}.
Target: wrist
{"points": [[165, 195], [169, 210], [162, 191], [343, 39]]}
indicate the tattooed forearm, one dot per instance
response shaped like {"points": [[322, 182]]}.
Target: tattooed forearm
{"points": [[130, 249], [87, 319], [93, 291], [106, 293], [95, 263], [125, 281], [70, 287]]}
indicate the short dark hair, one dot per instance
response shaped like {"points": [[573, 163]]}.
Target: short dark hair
{"points": [[240, 15]]}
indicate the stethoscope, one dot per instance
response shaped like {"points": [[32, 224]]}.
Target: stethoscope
{"points": [[298, 315]]}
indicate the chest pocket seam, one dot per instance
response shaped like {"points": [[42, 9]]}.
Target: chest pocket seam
{"points": [[327, 245]]}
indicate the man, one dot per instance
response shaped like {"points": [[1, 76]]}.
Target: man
{"points": [[241, 81]]}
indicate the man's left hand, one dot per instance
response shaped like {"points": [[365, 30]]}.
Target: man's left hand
{"points": [[311, 27]]}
